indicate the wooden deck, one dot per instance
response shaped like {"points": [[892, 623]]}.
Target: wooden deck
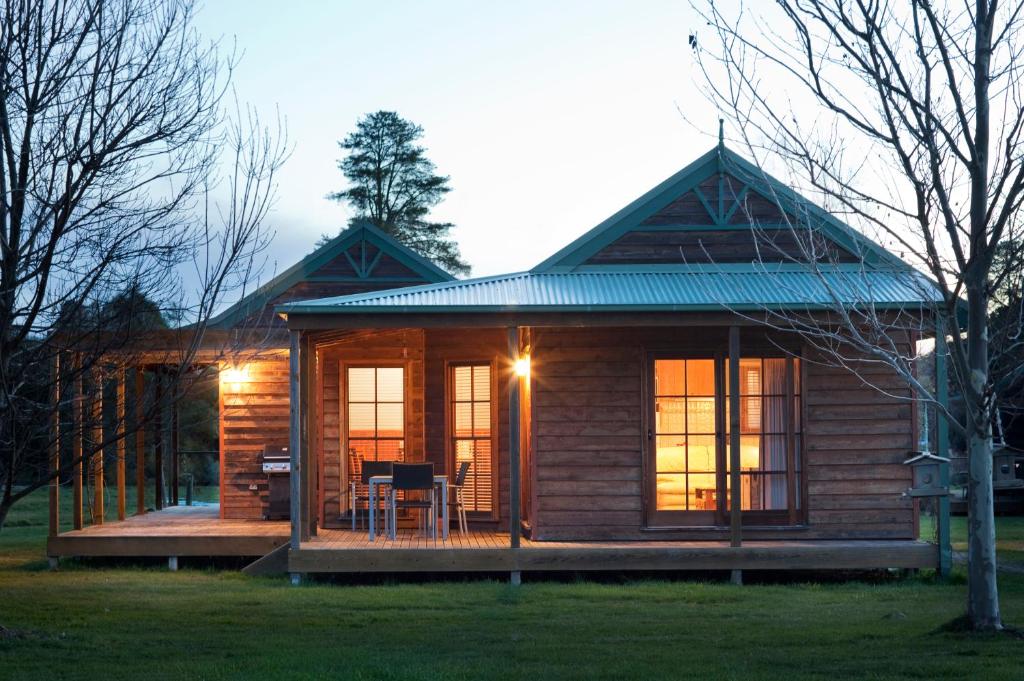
{"points": [[199, 531], [175, 531], [342, 551]]}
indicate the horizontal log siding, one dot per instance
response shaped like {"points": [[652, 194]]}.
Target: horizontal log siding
{"points": [[587, 418], [589, 439], [856, 440], [253, 414]]}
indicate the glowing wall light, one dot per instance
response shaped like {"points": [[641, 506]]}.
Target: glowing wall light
{"points": [[234, 376], [522, 366]]}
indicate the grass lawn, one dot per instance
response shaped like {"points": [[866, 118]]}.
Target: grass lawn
{"points": [[131, 621]]}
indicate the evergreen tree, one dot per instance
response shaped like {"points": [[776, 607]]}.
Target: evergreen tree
{"points": [[394, 185]]}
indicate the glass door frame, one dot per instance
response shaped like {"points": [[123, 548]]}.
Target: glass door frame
{"points": [[654, 518]]}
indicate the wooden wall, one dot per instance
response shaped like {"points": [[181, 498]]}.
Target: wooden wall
{"points": [[252, 414], [588, 430], [589, 440]]}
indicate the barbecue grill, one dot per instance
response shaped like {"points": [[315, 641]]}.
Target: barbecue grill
{"points": [[277, 464]]}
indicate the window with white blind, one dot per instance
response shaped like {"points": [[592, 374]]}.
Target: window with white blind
{"points": [[375, 409], [472, 436]]}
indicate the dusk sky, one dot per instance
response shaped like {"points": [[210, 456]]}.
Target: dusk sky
{"points": [[548, 117]]}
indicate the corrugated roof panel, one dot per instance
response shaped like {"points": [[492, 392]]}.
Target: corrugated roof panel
{"points": [[675, 290]]}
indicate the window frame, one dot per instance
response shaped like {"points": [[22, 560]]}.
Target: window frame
{"points": [[344, 366], [795, 515], [449, 430]]}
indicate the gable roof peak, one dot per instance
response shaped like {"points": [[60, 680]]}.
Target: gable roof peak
{"points": [[718, 160]]}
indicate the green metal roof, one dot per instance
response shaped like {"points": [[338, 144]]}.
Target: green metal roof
{"points": [[566, 282], [669, 289], [304, 270]]}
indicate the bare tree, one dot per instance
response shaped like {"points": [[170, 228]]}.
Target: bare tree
{"points": [[114, 140], [906, 119]]}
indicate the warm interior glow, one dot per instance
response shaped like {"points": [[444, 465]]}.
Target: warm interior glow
{"points": [[235, 375], [522, 366]]}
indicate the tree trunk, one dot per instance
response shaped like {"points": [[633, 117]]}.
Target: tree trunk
{"points": [[982, 589]]}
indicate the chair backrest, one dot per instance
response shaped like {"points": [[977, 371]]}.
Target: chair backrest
{"points": [[408, 476], [372, 468], [460, 475]]}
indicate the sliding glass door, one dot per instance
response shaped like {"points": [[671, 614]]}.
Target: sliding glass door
{"points": [[687, 480]]}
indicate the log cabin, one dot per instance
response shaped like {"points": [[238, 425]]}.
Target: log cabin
{"points": [[604, 404]]}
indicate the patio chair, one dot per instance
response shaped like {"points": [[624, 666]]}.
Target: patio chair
{"points": [[367, 471], [458, 502], [412, 478]]}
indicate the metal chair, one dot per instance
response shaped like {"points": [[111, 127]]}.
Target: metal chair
{"points": [[459, 502], [413, 477], [368, 469]]}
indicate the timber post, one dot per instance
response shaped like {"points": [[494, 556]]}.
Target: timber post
{"points": [[158, 439], [174, 450], [96, 443], [295, 443], [121, 446], [78, 423], [942, 517], [735, 481], [54, 492], [513, 440], [304, 477], [140, 442]]}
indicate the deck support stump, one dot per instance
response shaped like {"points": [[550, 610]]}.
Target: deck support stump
{"points": [[736, 577], [515, 578], [54, 562], [172, 563], [295, 578]]}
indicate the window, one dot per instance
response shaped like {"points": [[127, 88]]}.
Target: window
{"points": [[375, 408], [471, 433], [769, 433], [684, 434]]}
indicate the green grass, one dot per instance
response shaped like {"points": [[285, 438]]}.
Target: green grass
{"points": [[130, 621], [1009, 537]]}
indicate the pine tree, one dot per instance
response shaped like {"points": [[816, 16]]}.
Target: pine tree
{"points": [[394, 185]]}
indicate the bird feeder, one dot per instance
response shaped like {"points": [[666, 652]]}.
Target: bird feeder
{"points": [[1004, 467], [927, 474]]}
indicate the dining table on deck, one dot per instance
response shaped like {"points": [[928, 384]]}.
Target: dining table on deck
{"points": [[440, 481]]}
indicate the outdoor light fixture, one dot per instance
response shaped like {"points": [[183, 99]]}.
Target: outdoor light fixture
{"points": [[235, 375], [522, 366]]}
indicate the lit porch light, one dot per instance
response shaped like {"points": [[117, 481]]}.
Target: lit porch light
{"points": [[235, 376], [522, 366]]}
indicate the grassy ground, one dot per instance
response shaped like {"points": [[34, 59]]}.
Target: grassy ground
{"points": [[131, 621]]}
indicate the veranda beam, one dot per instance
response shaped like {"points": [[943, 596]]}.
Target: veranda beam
{"points": [[54, 527], [140, 443], [513, 439]]}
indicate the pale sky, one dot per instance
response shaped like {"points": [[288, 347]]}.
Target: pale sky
{"points": [[548, 117]]}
